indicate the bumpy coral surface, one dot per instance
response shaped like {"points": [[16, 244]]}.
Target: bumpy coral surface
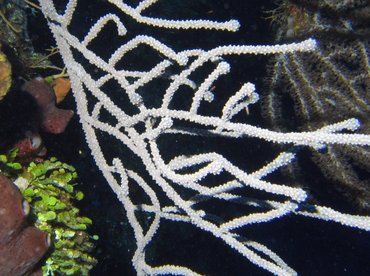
{"points": [[325, 86]]}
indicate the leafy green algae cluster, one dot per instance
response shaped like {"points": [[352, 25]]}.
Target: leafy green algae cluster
{"points": [[49, 188], [8, 166]]}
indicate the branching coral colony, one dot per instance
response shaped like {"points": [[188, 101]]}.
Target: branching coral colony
{"points": [[326, 85], [160, 111]]}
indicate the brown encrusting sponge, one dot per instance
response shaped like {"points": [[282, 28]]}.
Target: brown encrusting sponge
{"points": [[21, 247], [54, 119]]}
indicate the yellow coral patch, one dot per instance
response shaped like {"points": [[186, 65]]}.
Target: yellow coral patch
{"points": [[5, 75]]}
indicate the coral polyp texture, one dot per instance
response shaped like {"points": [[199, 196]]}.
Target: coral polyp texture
{"points": [[21, 246], [326, 85], [164, 126]]}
